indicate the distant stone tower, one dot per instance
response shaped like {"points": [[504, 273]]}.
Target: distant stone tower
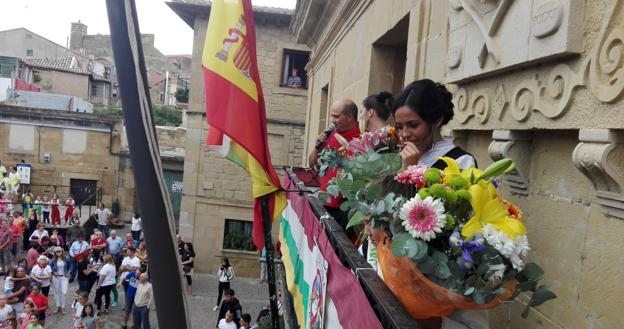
{"points": [[78, 30]]}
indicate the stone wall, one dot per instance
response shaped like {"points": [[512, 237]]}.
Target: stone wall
{"points": [[544, 87], [65, 83], [79, 146], [214, 188]]}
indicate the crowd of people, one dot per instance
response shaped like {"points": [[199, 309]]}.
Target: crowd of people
{"points": [[38, 260]]}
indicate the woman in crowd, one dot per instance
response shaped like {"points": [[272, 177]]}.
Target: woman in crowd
{"points": [[137, 226], [106, 282], [187, 257], [45, 210], [42, 274], [376, 111], [141, 253], [225, 275], [60, 278], [38, 229], [89, 320], [87, 274]]}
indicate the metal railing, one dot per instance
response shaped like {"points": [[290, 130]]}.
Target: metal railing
{"points": [[386, 306]]}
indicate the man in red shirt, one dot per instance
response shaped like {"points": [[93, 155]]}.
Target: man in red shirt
{"points": [[344, 116]]}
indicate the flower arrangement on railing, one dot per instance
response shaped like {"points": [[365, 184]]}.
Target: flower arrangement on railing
{"points": [[447, 240]]}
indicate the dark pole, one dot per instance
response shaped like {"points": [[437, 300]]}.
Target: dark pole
{"points": [[154, 201], [270, 253]]}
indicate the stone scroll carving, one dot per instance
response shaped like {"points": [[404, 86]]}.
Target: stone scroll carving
{"points": [[551, 92], [488, 36], [514, 145], [600, 157]]}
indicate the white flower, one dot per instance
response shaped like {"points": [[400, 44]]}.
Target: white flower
{"points": [[515, 250], [423, 218], [499, 271]]}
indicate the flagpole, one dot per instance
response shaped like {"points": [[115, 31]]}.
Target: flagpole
{"points": [[270, 253]]}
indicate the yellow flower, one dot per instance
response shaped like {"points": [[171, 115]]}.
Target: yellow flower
{"points": [[489, 209], [452, 170]]}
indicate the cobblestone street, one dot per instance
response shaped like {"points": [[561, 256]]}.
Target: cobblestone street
{"points": [[252, 295]]}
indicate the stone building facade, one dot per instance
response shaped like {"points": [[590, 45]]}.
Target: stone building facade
{"points": [[540, 81], [217, 203], [67, 151]]}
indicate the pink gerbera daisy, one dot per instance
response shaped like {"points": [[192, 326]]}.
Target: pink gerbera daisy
{"points": [[413, 175], [423, 218]]}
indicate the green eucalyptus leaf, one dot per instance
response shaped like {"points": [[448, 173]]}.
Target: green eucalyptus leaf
{"points": [[398, 244], [374, 191], [344, 206], [323, 197], [439, 257], [333, 190], [356, 219], [478, 297], [345, 184], [381, 207], [427, 265], [469, 291], [533, 272], [443, 271], [373, 156], [364, 208], [540, 296]]}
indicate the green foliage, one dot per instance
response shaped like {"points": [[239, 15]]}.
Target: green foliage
{"points": [[166, 116], [265, 322], [182, 95], [238, 241], [108, 111]]}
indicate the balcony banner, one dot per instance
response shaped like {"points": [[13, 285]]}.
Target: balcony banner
{"points": [[325, 293]]}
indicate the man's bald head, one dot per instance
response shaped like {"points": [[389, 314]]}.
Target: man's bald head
{"points": [[344, 115]]}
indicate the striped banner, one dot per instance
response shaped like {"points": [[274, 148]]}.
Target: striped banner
{"points": [[303, 239]]}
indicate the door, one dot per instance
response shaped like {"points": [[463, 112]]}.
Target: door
{"points": [[173, 182], [84, 191]]}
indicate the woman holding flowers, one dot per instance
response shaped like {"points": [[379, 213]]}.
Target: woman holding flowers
{"points": [[420, 111]]}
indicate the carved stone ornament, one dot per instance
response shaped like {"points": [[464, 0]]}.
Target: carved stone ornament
{"points": [[600, 157], [514, 145], [551, 93]]}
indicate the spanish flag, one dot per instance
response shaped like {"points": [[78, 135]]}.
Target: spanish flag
{"points": [[235, 104]]}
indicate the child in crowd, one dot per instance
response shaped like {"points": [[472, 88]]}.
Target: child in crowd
{"points": [[37, 206], [4, 203], [45, 210], [69, 209], [88, 318], [9, 281], [27, 199], [34, 322], [56, 212]]}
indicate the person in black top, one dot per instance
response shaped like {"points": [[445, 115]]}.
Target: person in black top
{"points": [[420, 111], [230, 303], [187, 258]]}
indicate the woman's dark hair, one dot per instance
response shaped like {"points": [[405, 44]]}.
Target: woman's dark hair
{"points": [[136, 215], [84, 310], [246, 317], [380, 103], [226, 261], [431, 100]]}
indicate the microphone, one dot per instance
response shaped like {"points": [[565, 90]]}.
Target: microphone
{"points": [[326, 133]]}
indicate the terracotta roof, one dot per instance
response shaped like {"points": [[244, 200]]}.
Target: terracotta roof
{"points": [[65, 64]]}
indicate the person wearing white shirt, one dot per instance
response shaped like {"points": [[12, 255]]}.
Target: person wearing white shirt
{"points": [[130, 263], [227, 322], [39, 233], [105, 284], [103, 214], [42, 273], [137, 226], [6, 313]]}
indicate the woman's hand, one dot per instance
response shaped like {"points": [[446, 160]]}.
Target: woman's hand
{"points": [[410, 154]]}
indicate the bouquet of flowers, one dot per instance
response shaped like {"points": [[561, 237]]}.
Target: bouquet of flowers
{"points": [[446, 239]]}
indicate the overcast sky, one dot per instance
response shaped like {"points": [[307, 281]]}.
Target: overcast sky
{"points": [[52, 19]]}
